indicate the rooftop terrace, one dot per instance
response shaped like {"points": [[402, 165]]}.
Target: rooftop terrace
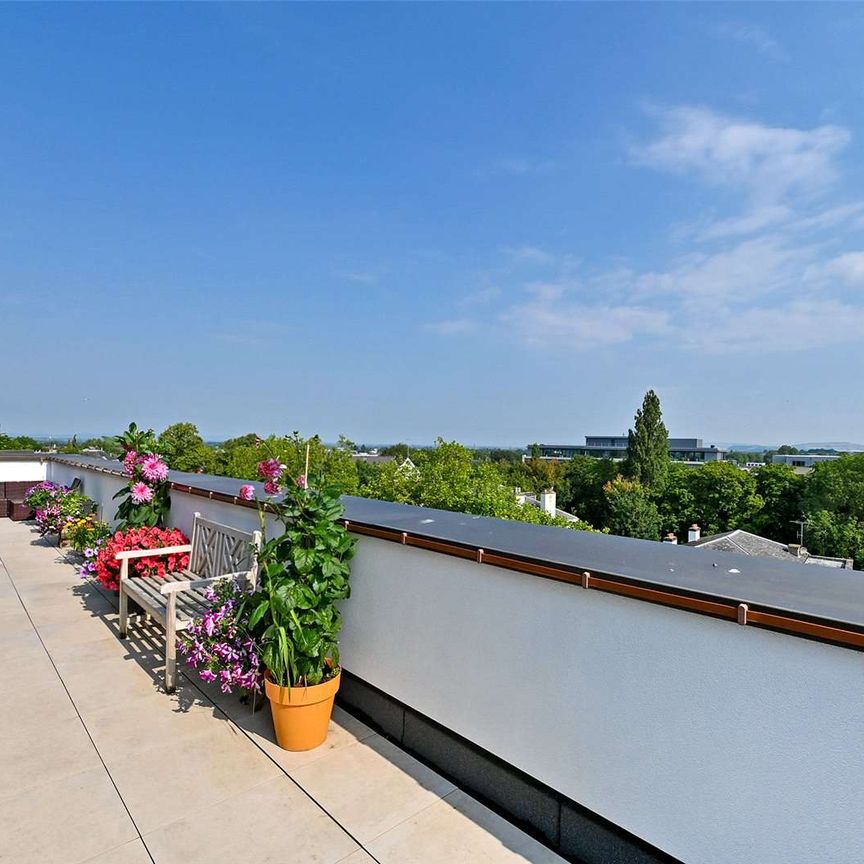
{"points": [[634, 722], [101, 766]]}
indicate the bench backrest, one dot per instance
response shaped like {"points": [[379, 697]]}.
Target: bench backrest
{"points": [[219, 549]]}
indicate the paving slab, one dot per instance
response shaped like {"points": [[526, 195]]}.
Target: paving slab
{"points": [[101, 766]]}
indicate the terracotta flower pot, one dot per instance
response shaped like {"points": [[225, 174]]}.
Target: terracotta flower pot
{"points": [[301, 715]]}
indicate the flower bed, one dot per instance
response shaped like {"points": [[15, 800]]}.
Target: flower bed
{"points": [[107, 567], [219, 646], [146, 500], [86, 532], [57, 506], [39, 495]]}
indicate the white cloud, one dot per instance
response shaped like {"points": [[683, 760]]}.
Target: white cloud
{"points": [[450, 326], [554, 314], [782, 274], [531, 254], [754, 220], [361, 277], [754, 37], [848, 268], [798, 325], [517, 166], [482, 296], [766, 163], [750, 269]]}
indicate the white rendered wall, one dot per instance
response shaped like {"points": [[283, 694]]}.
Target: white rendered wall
{"points": [[102, 487], [94, 484], [14, 471], [717, 743]]}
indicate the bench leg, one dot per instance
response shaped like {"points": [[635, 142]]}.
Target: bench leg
{"points": [[124, 612], [171, 644]]}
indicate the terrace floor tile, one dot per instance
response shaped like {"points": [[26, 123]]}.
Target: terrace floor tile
{"points": [[98, 765], [387, 786], [129, 853], [175, 776], [47, 747], [458, 828], [64, 821], [271, 823]]}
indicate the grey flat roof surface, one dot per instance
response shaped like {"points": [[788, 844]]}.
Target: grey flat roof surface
{"points": [[827, 593]]}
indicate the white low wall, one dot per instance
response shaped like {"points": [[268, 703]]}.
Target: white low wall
{"points": [[100, 487], [717, 743], [18, 471]]}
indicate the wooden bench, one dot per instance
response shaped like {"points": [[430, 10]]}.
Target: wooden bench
{"points": [[217, 552]]}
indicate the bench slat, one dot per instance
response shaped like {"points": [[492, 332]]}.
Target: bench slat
{"points": [[145, 589]]}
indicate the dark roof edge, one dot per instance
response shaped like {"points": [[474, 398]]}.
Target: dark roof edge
{"points": [[832, 630], [24, 456]]}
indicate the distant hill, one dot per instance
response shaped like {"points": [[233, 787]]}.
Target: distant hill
{"points": [[831, 445], [748, 448], [840, 446]]}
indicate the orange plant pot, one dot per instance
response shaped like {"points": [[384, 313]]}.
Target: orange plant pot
{"points": [[301, 715]]}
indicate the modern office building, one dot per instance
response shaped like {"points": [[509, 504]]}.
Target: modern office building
{"points": [[801, 460], [615, 447]]}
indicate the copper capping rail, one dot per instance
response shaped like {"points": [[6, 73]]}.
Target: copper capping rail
{"points": [[730, 610]]}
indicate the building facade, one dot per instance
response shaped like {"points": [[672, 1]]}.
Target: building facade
{"points": [[615, 447], [801, 460]]}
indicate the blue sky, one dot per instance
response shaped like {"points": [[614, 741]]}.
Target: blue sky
{"points": [[496, 223]]}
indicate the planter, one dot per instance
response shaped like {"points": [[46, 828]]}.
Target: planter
{"points": [[301, 715]]}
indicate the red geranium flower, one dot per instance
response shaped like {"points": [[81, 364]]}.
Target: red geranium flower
{"points": [[108, 567]]}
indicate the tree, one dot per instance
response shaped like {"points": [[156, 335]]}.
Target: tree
{"points": [[184, 448], [676, 502], [781, 491], [648, 445], [629, 510], [837, 486], [787, 450], [827, 533], [397, 451], [241, 459], [535, 475], [582, 489], [449, 477], [346, 444], [724, 497], [19, 442]]}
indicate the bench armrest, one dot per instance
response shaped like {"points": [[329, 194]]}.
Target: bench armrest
{"points": [[151, 553], [192, 584]]}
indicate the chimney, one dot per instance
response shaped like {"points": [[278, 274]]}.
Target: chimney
{"points": [[548, 501], [694, 533], [670, 538]]}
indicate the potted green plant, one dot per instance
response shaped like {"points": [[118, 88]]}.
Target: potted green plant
{"points": [[293, 613]]}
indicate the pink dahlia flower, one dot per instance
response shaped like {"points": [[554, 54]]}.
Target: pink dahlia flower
{"points": [[129, 462], [270, 469], [141, 493], [247, 492], [153, 468], [271, 487]]}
